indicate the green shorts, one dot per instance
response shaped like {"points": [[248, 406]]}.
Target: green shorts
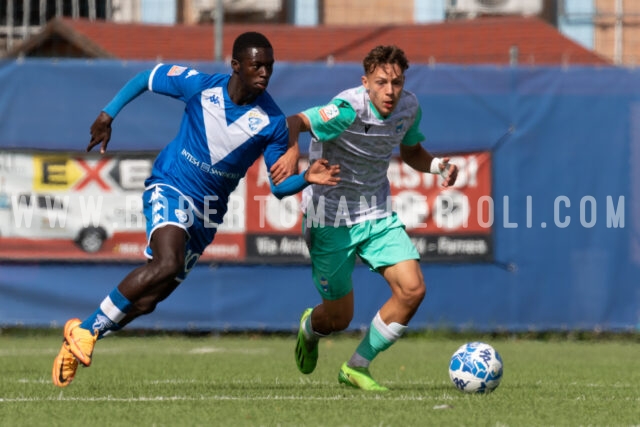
{"points": [[333, 251]]}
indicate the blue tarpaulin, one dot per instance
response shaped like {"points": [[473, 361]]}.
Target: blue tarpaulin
{"points": [[566, 194]]}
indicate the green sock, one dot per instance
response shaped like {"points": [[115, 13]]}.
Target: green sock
{"points": [[378, 338]]}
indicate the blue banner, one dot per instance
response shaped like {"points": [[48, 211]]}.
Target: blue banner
{"points": [[565, 200]]}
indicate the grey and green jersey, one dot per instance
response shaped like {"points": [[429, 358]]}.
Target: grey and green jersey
{"points": [[350, 132]]}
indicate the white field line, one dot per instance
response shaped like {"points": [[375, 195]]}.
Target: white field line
{"points": [[271, 397], [140, 350], [254, 383], [423, 383]]}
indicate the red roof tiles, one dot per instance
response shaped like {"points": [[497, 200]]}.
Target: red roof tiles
{"points": [[477, 41]]}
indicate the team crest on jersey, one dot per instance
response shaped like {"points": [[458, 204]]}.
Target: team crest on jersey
{"points": [[328, 112], [176, 70], [255, 120], [400, 126]]}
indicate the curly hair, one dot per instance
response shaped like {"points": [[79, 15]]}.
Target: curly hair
{"points": [[380, 55]]}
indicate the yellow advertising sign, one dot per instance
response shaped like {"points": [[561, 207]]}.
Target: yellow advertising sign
{"points": [[55, 173]]}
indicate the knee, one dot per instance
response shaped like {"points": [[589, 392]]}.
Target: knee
{"points": [[420, 292], [329, 322], [413, 293], [167, 269], [340, 323]]}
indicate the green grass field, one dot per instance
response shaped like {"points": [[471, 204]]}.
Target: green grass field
{"points": [[251, 380]]}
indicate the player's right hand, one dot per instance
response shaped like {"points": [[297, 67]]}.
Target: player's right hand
{"points": [[100, 132], [321, 172]]}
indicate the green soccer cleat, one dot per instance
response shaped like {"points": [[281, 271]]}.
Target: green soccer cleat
{"points": [[306, 359], [358, 378]]}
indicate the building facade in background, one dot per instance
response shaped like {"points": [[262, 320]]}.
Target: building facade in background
{"points": [[609, 27], [617, 30]]}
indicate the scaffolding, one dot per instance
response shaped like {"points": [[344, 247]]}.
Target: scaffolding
{"points": [[22, 18]]}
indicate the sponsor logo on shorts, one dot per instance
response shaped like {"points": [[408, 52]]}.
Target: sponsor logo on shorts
{"points": [[324, 284], [181, 215]]}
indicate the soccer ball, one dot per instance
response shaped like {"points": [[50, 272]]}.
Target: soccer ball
{"points": [[476, 367]]}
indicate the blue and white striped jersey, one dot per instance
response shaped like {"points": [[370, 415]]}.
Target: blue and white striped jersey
{"points": [[218, 140]]}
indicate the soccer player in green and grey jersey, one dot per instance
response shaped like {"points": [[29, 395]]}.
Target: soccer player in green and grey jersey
{"points": [[354, 133], [359, 129]]}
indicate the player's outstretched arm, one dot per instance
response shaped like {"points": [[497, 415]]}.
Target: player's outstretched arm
{"points": [[421, 160], [287, 164], [320, 172], [101, 128]]}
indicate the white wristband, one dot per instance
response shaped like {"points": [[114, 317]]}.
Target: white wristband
{"points": [[435, 165]]}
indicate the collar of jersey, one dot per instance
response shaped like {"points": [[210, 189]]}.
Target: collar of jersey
{"points": [[376, 112]]}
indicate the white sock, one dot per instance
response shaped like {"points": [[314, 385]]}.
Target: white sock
{"points": [[309, 334], [378, 338]]}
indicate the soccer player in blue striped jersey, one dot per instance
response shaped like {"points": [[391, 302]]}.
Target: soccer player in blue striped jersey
{"points": [[360, 128], [229, 122]]}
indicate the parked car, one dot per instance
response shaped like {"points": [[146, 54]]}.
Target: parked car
{"points": [[46, 216]]}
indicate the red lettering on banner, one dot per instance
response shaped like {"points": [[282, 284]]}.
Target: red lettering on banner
{"points": [[422, 203], [267, 214], [426, 208], [92, 174], [226, 247]]}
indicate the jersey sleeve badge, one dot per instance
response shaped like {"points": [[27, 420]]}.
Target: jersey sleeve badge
{"points": [[329, 112], [176, 70]]}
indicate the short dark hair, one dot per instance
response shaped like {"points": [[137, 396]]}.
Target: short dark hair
{"points": [[380, 55], [248, 40]]}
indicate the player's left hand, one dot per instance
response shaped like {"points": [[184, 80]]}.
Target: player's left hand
{"points": [[449, 172], [285, 166], [321, 172]]}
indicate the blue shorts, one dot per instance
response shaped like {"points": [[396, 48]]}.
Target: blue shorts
{"points": [[164, 205]]}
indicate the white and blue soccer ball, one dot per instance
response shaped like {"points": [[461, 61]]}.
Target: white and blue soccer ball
{"points": [[476, 367]]}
